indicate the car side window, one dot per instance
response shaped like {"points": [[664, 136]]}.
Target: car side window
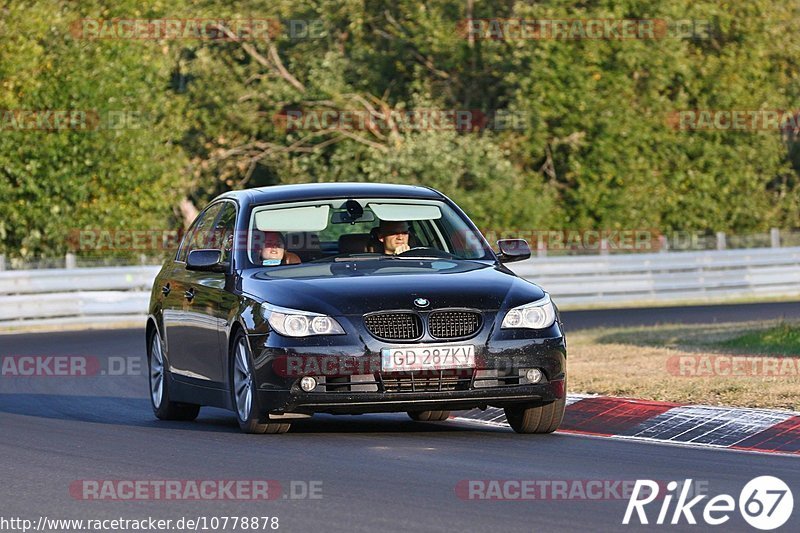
{"points": [[183, 250], [224, 230], [419, 229], [201, 235]]}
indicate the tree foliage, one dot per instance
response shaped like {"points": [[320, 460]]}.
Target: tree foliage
{"points": [[592, 146]]}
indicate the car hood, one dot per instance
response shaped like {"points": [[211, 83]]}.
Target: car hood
{"points": [[471, 284]]}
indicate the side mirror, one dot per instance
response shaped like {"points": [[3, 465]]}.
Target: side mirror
{"points": [[513, 250], [206, 261]]}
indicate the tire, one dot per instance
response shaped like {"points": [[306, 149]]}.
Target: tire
{"points": [[540, 419], [245, 401], [163, 407], [429, 416]]}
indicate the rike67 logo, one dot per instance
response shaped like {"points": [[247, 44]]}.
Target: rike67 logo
{"points": [[765, 503]]}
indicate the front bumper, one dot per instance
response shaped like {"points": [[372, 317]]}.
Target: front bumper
{"points": [[353, 384], [381, 402]]}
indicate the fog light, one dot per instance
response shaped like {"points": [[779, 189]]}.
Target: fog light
{"points": [[308, 383], [534, 375]]}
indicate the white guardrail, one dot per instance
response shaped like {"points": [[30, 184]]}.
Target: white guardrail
{"points": [[89, 295]]}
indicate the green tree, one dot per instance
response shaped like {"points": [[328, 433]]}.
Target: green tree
{"points": [[594, 148]]}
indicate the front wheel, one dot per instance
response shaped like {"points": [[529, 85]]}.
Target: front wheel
{"points": [[163, 407], [243, 391], [429, 416], [541, 419]]}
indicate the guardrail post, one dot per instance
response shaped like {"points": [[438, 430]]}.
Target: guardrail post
{"points": [[541, 248], [603, 246], [775, 237], [721, 242], [69, 261], [663, 244], [2, 262]]}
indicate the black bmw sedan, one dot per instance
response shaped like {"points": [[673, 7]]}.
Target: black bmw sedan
{"points": [[350, 298]]}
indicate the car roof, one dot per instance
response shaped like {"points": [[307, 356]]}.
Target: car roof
{"points": [[313, 191]]}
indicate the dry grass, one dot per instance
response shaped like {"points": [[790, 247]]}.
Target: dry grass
{"points": [[641, 363]]}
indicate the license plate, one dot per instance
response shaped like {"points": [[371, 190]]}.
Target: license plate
{"points": [[427, 358]]}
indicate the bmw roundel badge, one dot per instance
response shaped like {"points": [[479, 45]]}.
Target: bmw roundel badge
{"points": [[421, 302]]}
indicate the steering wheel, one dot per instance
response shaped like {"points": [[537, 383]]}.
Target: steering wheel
{"points": [[412, 249]]}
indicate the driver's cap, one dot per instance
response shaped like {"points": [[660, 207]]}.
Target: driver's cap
{"points": [[391, 227]]}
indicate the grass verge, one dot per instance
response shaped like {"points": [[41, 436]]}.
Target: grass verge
{"points": [[743, 364]]}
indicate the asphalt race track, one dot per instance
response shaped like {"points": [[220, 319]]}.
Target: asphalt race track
{"points": [[700, 314], [367, 473]]}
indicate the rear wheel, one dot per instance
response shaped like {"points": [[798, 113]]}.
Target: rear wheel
{"points": [[429, 416], [243, 391], [540, 419], [163, 407]]}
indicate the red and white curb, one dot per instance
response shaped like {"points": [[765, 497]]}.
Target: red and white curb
{"points": [[761, 430]]}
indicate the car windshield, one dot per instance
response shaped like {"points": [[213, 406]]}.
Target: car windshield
{"points": [[363, 230]]}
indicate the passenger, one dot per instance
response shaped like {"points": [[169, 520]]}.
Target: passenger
{"points": [[394, 236], [274, 250]]}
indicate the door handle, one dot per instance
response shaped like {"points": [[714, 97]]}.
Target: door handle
{"points": [[165, 289], [189, 295]]}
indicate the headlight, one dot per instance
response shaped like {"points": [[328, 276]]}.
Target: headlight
{"points": [[295, 323], [536, 315]]}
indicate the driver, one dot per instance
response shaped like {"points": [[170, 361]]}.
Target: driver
{"points": [[274, 250], [394, 236]]}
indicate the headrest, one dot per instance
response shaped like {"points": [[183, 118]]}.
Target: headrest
{"points": [[354, 243]]}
